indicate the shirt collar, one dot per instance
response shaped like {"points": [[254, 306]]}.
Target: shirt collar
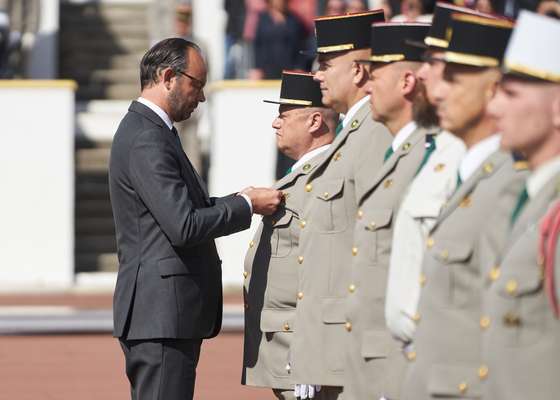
{"points": [[309, 155], [476, 155], [158, 110], [353, 110], [541, 176], [403, 134]]}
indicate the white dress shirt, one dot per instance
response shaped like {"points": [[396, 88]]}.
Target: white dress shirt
{"points": [[309, 155], [420, 208], [353, 110], [541, 176], [163, 115], [477, 154], [403, 134]]}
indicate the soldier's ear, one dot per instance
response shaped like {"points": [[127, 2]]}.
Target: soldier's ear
{"points": [[408, 82], [315, 121], [360, 74]]}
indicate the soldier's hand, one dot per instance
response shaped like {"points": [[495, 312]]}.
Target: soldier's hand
{"points": [[306, 391], [264, 201]]}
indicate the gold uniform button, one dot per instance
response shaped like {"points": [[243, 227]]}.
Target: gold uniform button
{"points": [[444, 255], [337, 156], [494, 273], [306, 167], [430, 242], [416, 318], [439, 167], [352, 288], [302, 224], [348, 326], [245, 274], [360, 214], [300, 259], [466, 202], [422, 280], [354, 251], [488, 168], [483, 372], [300, 295], [511, 287], [463, 387], [354, 124], [326, 195], [286, 327], [251, 244], [484, 322], [512, 320], [411, 355], [388, 183], [406, 146], [308, 187], [372, 226]]}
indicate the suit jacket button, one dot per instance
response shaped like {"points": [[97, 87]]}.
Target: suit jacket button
{"points": [[251, 244], [354, 124], [360, 214], [411, 355], [511, 287], [352, 288], [430, 242], [494, 273], [245, 274], [302, 223]]}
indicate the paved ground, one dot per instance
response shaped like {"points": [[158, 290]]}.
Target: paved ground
{"points": [[91, 367]]}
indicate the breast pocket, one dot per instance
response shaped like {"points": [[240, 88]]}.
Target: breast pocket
{"points": [[371, 228], [329, 212], [522, 315], [282, 235]]}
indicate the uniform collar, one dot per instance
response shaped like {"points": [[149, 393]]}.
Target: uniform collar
{"points": [[476, 155], [403, 135], [353, 110], [309, 155], [158, 110], [541, 176]]}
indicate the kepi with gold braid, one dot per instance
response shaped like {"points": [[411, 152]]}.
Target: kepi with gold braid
{"points": [[299, 89], [389, 42], [345, 32], [476, 40], [534, 48]]}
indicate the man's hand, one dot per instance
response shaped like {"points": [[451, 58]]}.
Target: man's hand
{"points": [[306, 391], [264, 201]]}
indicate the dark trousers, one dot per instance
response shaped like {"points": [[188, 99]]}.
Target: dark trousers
{"points": [[162, 369]]}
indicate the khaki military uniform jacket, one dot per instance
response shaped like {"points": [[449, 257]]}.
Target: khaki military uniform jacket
{"points": [[331, 204], [521, 341], [271, 284], [374, 362], [446, 355]]}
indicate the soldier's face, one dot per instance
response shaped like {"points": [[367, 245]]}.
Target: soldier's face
{"points": [[462, 96], [335, 78], [384, 90], [524, 112], [291, 130], [431, 73]]}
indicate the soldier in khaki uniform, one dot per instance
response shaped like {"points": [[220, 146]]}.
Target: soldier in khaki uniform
{"points": [[445, 360], [521, 339], [374, 363], [331, 192], [305, 129]]}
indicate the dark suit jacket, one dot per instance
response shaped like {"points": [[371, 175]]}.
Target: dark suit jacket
{"points": [[169, 280]]}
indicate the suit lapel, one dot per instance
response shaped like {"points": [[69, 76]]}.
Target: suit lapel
{"points": [[484, 171], [365, 186], [362, 113]]}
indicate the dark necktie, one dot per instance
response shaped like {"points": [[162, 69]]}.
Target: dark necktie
{"points": [[339, 128], [388, 153], [521, 201], [430, 148]]}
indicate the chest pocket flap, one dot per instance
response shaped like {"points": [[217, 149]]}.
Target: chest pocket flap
{"points": [[452, 252], [277, 320], [172, 266], [377, 219], [454, 381], [330, 189]]}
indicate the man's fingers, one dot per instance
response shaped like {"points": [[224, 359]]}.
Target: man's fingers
{"points": [[318, 388], [303, 392], [297, 391], [311, 391]]}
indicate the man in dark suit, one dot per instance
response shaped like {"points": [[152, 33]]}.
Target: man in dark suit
{"points": [[168, 295]]}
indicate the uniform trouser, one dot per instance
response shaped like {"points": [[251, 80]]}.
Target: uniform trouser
{"points": [[161, 369]]}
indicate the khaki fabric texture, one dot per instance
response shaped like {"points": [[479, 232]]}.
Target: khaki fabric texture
{"points": [[447, 344], [374, 362], [270, 288], [520, 346], [324, 252]]}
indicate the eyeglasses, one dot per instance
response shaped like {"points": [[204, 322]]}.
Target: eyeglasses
{"points": [[199, 84]]}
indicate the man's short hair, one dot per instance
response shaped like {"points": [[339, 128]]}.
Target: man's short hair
{"points": [[168, 53]]}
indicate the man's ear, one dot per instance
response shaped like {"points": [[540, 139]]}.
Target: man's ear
{"points": [[409, 81], [315, 121], [167, 75], [360, 73]]}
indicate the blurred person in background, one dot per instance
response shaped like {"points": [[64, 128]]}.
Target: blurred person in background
{"points": [[415, 11], [279, 38], [236, 12], [550, 8], [335, 7], [356, 6]]}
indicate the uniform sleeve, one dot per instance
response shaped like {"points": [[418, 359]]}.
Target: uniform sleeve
{"points": [[154, 171]]}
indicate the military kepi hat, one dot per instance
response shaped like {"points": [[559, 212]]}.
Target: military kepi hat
{"points": [[299, 89], [534, 48], [477, 41], [345, 32], [390, 41]]}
